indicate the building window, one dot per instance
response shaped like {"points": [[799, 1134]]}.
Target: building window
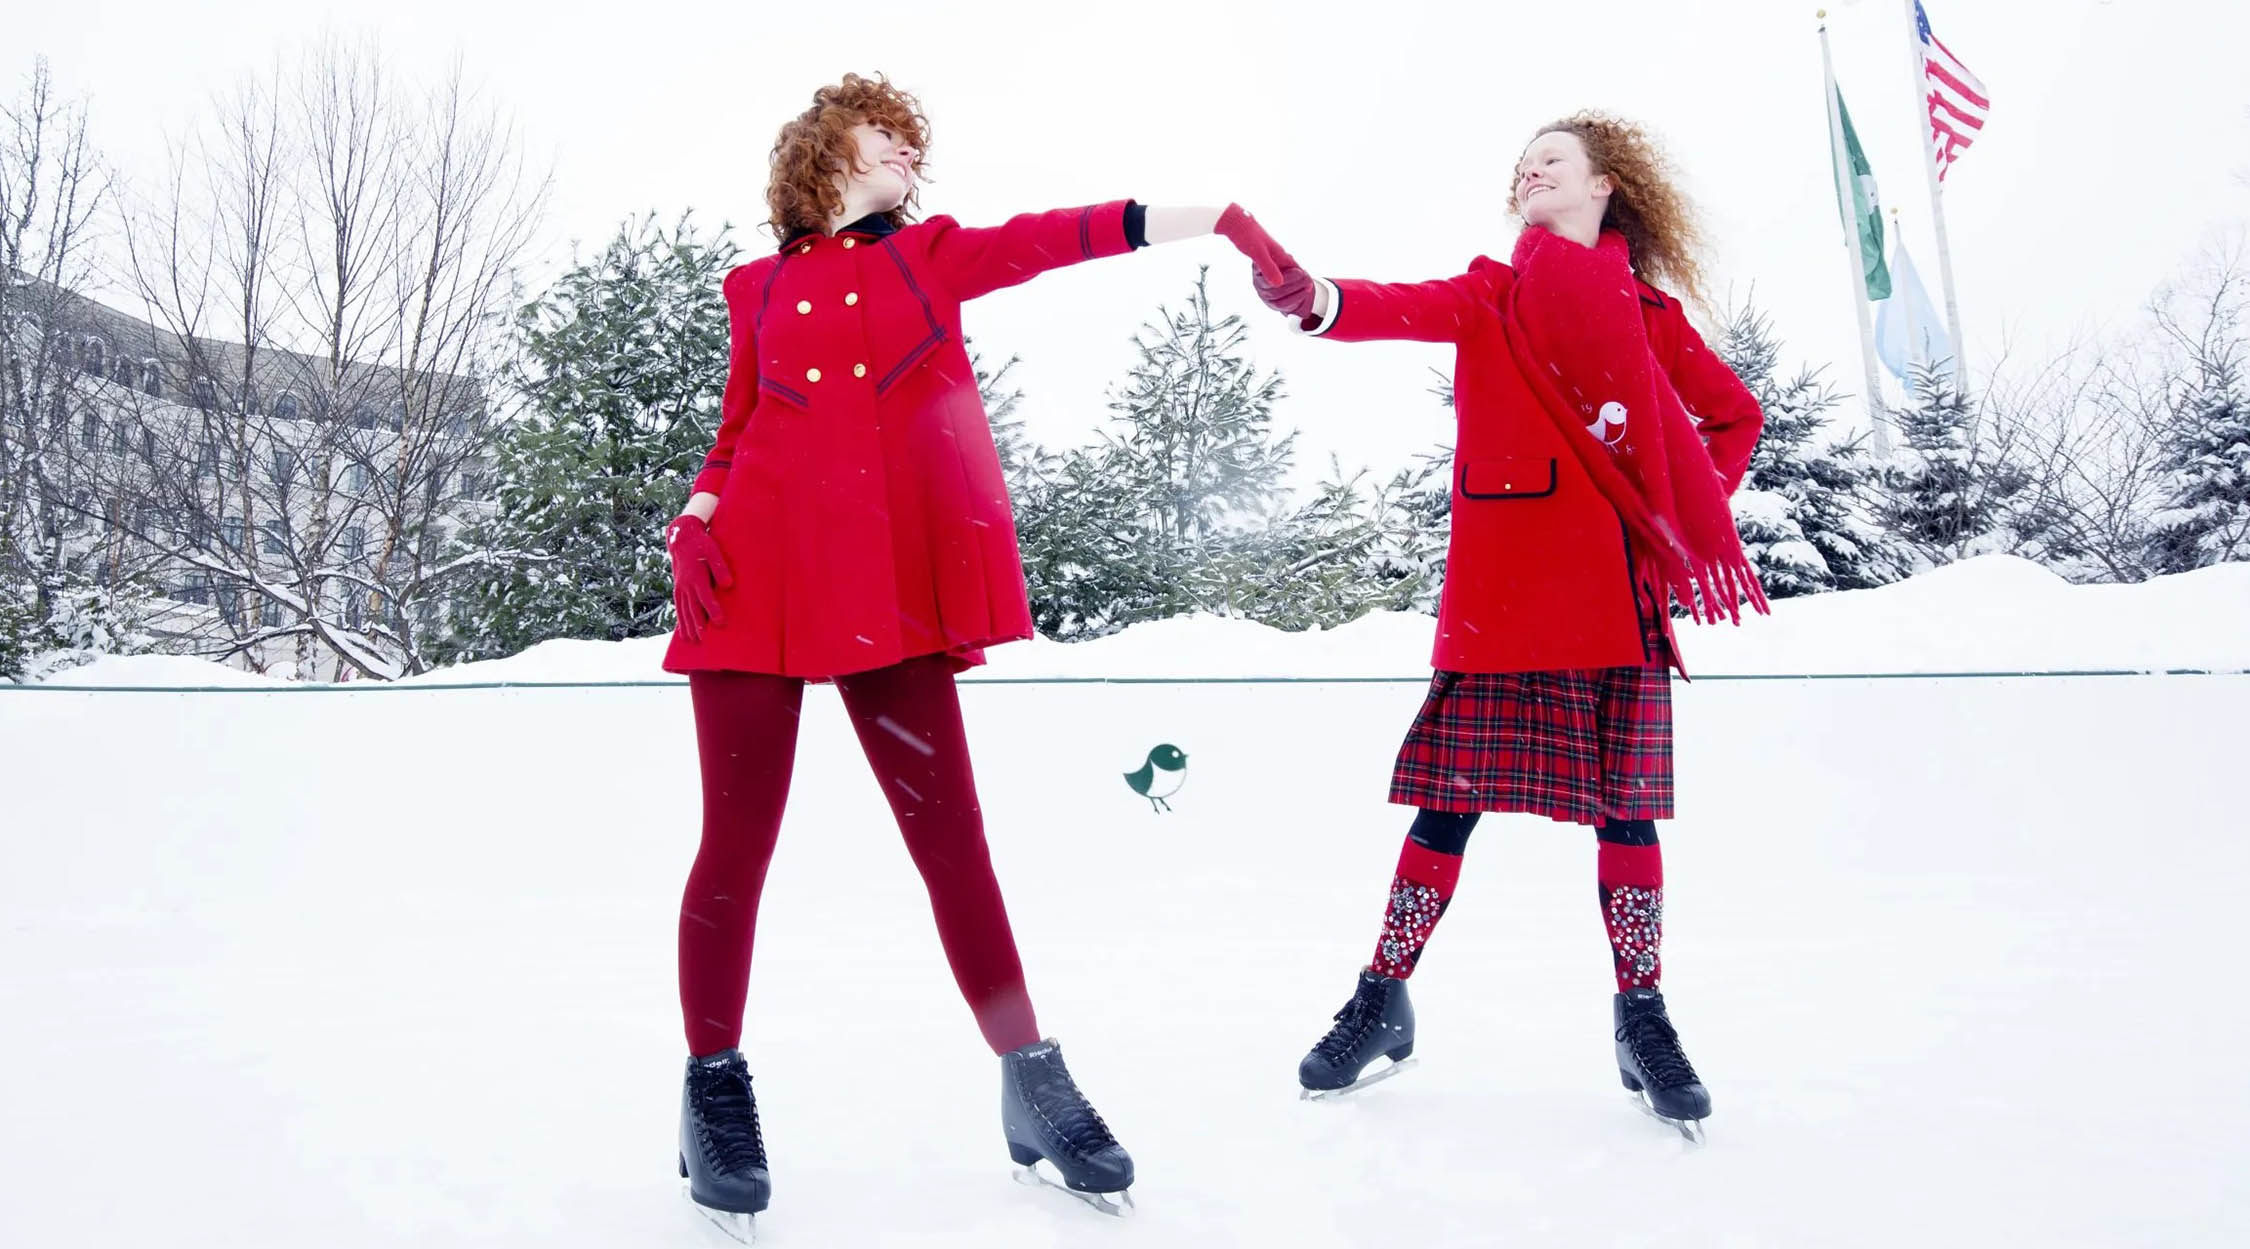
{"points": [[355, 543], [354, 614], [95, 356], [277, 536], [204, 392], [230, 533], [230, 605], [194, 588], [269, 614], [152, 377], [207, 459], [121, 439], [122, 371], [90, 432], [249, 398], [355, 477], [285, 407], [284, 466]]}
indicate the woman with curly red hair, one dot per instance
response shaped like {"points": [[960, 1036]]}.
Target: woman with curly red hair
{"points": [[851, 525], [1599, 440]]}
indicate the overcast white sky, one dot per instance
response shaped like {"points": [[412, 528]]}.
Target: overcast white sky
{"points": [[1376, 144]]}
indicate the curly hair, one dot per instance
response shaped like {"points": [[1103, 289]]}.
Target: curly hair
{"points": [[815, 149], [1646, 206]]}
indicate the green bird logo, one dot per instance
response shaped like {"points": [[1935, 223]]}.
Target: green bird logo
{"points": [[1160, 777]]}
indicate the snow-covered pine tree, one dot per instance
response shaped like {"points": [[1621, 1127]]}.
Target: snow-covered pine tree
{"points": [[2204, 514], [1943, 493], [1190, 466], [1804, 510], [1195, 445], [620, 368]]}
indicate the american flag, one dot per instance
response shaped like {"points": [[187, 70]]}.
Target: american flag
{"points": [[1956, 99]]}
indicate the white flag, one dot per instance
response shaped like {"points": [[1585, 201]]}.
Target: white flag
{"points": [[1908, 329]]}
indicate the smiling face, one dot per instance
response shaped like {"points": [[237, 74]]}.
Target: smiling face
{"points": [[1556, 183], [884, 175]]}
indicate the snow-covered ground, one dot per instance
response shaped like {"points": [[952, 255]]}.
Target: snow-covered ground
{"points": [[1957, 957]]}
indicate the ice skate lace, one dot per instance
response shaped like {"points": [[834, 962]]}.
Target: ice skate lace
{"points": [[726, 1119], [1656, 1047], [1351, 1027], [1056, 1099]]}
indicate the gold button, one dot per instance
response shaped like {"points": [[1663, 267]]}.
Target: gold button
{"points": [[851, 299], [806, 248], [804, 306], [812, 375], [859, 370], [848, 243]]}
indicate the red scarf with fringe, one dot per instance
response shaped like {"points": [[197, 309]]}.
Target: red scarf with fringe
{"points": [[1573, 321]]}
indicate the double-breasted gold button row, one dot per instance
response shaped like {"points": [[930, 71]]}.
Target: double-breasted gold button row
{"points": [[813, 375], [804, 306]]}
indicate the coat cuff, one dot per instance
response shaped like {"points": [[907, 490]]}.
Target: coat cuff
{"points": [[712, 480], [1103, 230], [1136, 224], [1317, 326]]}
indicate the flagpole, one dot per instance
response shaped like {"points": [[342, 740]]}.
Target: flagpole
{"points": [[1857, 257], [1937, 199]]}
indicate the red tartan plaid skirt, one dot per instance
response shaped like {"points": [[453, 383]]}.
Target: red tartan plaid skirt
{"points": [[1574, 744]]}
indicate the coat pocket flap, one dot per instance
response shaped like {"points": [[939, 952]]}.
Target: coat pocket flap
{"points": [[1507, 479]]}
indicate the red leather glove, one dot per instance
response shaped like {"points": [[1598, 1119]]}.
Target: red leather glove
{"points": [[696, 566], [1275, 275]]}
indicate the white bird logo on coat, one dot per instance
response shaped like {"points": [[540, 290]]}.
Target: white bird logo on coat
{"points": [[1608, 425]]}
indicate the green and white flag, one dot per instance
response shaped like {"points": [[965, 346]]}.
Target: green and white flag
{"points": [[1865, 204]]}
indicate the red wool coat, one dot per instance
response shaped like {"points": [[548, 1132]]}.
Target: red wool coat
{"points": [[862, 509], [1539, 573]]}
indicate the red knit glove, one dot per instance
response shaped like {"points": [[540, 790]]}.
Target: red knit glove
{"points": [[696, 566], [1250, 238], [1275, 275]]}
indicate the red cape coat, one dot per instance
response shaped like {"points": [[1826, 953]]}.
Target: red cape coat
{"points": [[862, 510]]}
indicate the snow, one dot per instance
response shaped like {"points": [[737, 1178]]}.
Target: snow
{"points": [[159, 671], [381, 968], [1993, 613]]}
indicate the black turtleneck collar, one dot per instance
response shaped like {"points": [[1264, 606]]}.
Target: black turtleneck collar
{"points": [[874, 225]]}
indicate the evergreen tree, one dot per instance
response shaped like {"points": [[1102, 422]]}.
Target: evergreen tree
{"points": [[620, 368], [1942, 493], [1195, 448], [1804, 509], [1126, 530], [2204, 517]]}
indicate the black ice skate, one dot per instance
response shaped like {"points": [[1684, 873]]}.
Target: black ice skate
{"points": [[1651, 1063], [722, 1152], [1377, 1023], [1045, 1116]]}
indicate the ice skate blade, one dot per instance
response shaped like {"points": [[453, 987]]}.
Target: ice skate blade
{"points": [[1690, 1130], [740, 1229], [1117, 1205], [1329, 1095]]}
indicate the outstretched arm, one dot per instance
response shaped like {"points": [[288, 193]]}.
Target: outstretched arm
{"points": [[977, 260]]}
